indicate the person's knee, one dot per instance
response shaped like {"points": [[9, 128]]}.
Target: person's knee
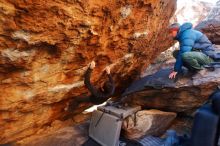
{"points": [[186, 56], [175, 53]]}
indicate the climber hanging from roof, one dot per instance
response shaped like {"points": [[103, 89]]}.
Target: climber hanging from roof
{"points": [[98, 96], [196, 50]]}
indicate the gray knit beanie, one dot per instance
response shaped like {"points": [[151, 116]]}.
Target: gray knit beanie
{"points": [[174, 26]]}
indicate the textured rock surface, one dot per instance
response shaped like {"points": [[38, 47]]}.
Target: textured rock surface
{"points": [[147, 122], [211, 25], [64, 136], [183, 95], [46, 45]]}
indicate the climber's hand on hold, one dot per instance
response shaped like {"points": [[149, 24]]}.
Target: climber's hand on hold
{"points": [[173, 75], [92, 65], [107, 69]]}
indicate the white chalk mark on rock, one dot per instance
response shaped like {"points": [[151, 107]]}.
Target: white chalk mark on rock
{"points": [[66, 87], [14, 54], [140, 34], [126, 11], [21, 34]]}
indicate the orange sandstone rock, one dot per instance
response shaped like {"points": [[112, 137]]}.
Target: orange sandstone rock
{"points": [[46, 45]]}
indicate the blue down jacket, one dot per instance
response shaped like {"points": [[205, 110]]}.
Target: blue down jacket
{"points": [[188, 39]]}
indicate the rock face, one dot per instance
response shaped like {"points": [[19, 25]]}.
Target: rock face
{"points": [[46, 45], [147, 122], [211, 25], [184, 95]]}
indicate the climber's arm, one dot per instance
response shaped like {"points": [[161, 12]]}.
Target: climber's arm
{"points": [[111, 92], [88, 84], [111, 81]]}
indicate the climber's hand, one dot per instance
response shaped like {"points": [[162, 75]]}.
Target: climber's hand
{"points": [[92, 65], [107, 69], [172, 75]]}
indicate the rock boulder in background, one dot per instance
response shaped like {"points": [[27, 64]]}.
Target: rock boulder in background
{"points": [[147, 123], [211, 25], [193, 11], [184, 95]]}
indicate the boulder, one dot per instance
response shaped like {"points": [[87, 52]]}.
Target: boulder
{"points": [[182, 95], [211, 25], [46, 46], [146, 123]]}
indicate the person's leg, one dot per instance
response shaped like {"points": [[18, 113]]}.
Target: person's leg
{"points": [[195, 60], [175, 53], [74, 103]]}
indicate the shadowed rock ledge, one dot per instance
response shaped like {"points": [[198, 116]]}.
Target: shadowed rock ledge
{"points": [[183, 95]]}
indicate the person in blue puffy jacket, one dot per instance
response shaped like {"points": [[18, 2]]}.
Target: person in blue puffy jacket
{"points": [[196, 50]]}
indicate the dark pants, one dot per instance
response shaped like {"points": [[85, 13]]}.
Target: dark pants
{"points": [[194, 60]]}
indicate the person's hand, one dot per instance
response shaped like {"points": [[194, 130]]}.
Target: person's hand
{"points": [[92, 65], [172, 75], [107, 69]]}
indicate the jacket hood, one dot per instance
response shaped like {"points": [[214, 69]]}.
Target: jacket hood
{"points": [[183, 27]]}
